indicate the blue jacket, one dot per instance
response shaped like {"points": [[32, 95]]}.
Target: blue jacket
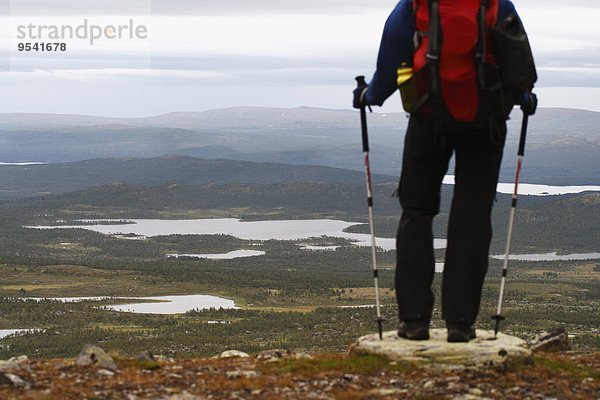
{"points": [[397, 46]]}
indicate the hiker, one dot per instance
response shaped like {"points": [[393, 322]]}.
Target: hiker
{"points": [[459, 93]]}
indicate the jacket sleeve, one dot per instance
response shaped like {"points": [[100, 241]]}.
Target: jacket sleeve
{"points": [[396, 48]]}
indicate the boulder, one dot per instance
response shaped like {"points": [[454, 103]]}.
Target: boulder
{"points": [[233, 354], [551, 341], [483, 352], [93, 355]]}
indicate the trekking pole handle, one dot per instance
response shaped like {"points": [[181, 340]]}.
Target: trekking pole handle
{"points": [[360, 81], [521, 151], [529, 106]]}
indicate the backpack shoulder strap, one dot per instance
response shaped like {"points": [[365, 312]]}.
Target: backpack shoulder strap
{"points": [[481, 50], [433, 50]]}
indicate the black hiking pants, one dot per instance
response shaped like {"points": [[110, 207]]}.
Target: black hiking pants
{"points": [[427, 151]]}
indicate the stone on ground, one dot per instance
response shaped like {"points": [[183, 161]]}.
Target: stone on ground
{"points": [[14, 380], [93, 355], [233, 354], [12, 362], [484, 351]]}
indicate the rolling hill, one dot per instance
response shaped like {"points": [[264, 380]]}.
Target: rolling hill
{"points": [[563, 144], [39, 180]]}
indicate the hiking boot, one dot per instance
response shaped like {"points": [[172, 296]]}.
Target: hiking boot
{"points": [[460, 333], [414, 330]]}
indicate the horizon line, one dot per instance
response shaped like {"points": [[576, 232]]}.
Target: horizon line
{"points": [[15, 113]]}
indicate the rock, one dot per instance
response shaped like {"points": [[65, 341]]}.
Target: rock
{"points": [[250, 374], [469, 396], [277, 354], [482, 352], [7, 378], [183, 396], [93, 355], [234, 353], [12, 362], [145, 356], [429, 385], [105, 372], [389, 392], [273, 355], [551, 341]]}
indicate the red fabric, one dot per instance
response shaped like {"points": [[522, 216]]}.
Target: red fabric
{"points": [[459, 32]]}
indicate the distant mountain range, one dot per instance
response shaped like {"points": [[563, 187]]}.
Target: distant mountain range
{"points": [[563, 144]]}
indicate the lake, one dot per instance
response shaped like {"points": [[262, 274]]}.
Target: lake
{"points": [[175, 304], [529, 189], [247, 230], [320, 248], [21, 163], [7, 332], [224, 256], [161, 305], [550, 257]]}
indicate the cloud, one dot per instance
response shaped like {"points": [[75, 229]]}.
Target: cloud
{"points": [[221, 53], [231, 7], [584, 98], [570, 76], [109, 73], [195, 7], [267, 77], [546, 4], [564, 38]]}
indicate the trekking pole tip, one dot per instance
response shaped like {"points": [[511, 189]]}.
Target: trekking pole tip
{"points": [[380, 328], [497, 318]]}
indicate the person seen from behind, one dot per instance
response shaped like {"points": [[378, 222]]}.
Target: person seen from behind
{"points": [[461, 66]]}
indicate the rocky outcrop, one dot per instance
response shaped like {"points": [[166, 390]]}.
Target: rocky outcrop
{"points": [[483, 352], [551, 341]]}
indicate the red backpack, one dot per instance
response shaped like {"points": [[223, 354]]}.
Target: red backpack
{"points": [[455, 72]]}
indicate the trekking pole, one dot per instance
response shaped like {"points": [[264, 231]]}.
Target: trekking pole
{"points": [[520, 153], [365, 142]]}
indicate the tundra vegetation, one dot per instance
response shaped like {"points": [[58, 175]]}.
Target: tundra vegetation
{"points": [[289, 298]]}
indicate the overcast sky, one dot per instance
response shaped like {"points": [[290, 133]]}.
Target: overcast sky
{"points": [[204, 54]]}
